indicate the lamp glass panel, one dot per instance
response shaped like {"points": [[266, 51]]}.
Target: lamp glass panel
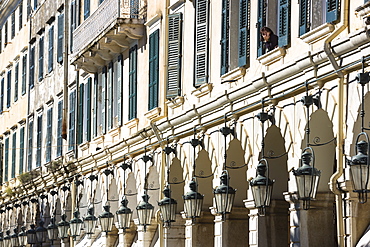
{"points": [[14, 242], [359, 175], [90, 226], [31, 238], [22, 240], [224, 202], [307, 186], [261, 195], [168, 212], [193, 207], [145, 216], [63, 231], [76, 229], [106, 224], [124, 220]]}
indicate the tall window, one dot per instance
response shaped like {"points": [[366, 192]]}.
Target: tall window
{"points": [[132, 104], [14, 149], [6, 34], [41, 58], [80, 114], [8, 88], [244, 33], [30, 145], [153, 69], [174, 55], [6, 160], [32, 67], [21, 150], [72, 120], [87, 111], [51, 49], [39, 141], [103, 103], [16, 79], [59, 131], [49, 133], [110, 96], [13, 25], [117, 90], [24, 73], [86, 9], [2, 95], [20, 7], [96, 108], [60, 38], [201, 41]]}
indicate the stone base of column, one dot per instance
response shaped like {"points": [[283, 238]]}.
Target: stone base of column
{"points": [[200, 232], [175, 235]]}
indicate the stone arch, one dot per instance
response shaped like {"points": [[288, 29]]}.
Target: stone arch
{"points": [[113, 195], [131, 190], [153, 186], [83, 199], [176, 181], [204, 175]]}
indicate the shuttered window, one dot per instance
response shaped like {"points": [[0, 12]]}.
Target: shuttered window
{"points": [[41, 58], [8, 88], [16, 83], [72, 120], [153, 69], [304, 17], [49, 134], [284, 23], [20, 15], [59, 130], [13, 25], [30, 145], [32, 67], [201, 41], [80, 115], [87, 110], [86, 9], [6, 160], [51, 49], [39, 141], [24, 74], [73, 22], [14, 154], [243, 44], [132, 83], [225, 37], [174, 55], [96, 106], [21, 150], [60, 38], [118, 90], [2, 96], [6, 34], [103, 100], [261, 22], [110, 96], [332, 10]]}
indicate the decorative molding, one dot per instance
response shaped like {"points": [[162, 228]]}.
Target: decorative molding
{"points": [[234, 74], [202, 90], [154, 113], [363, 11], [133, 123], [175, 4], [272, 56], [318, 33], [153, 20], [175, 102]]}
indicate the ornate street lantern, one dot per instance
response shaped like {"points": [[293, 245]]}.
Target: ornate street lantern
{"points": [[193, 201], [168, 206], [63, 227], [52, 230], [14, 238], [224, 195], [7, 242], [106, 219], [124, 214], [145, 211], [31, 235], [75, 225], [41, 233], [22, 236], [90, 221], [307, 178]]}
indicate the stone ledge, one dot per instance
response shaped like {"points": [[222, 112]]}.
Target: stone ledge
{"points": [[202, 90], [175, 102], [153, 113], [234, 74], [272, 56], [318, 33]]}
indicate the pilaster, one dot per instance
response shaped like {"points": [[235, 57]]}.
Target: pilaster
{"points": [[200, 231], [145, 235], [174, 236]]}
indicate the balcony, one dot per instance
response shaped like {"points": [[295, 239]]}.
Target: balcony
{"points": [[107, 32]]}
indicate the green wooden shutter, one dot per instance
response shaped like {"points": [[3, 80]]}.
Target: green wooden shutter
{"points": [[16, 79], [103, 99], [41, 59], [6, 160], [86, 9], [9, 88], [96, 104], [59, 131], [133, 83], [110, 96], [39, 141], [60, 38], [201, 42], [261, 22], [13, 25], [225, 37], [153, 69], [30, 146], [14, 149], [51, 49], [284, 23], [332, 10], [174, 55], [32, 68], [49, 134], [72, 120], [88, 110], [243, 33], [304, 17], [20, 7], [24, 74], [119, 89], [2, 96], [80, 115], [21, 150]]}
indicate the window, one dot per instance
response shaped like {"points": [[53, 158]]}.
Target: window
{"points": [[132, 104], [34, 4], [117, 91], [6, 34], [28, 9], [201, 41], [153, 69], [86, 9], [13, 25], [103, 103], [51, 49], [39, 141], [8, 88], [80, 116], [174, 55], [41, 58], [32, 67], [315, 13], [21, 150], [59, 131], [87, 111], [24, 73], [60, 38], [110, 96], [97, 102], [16, 79], [72, 120], [73, 19], [6, 159], [49, 133], [30, 145], [244, 32], [2, 95], [20, 7], [14, 149]]}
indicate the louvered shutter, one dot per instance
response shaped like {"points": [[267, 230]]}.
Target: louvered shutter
{"points": [[24, 74], [88, 110], [174, 55], [103, 99], [243, 33], [59, 131], [16, 81], [21, 150], [73, 23], [51, 49], [225, 37], [261, 22], [332, 10], [110, 96], [41, 59], [304, 17], [32, 67], [49, 134], [153, 69], [20, 15], [86, 9], [39, 141], [133, 83], [72, 120], [119, 89], [2, 96], [30, 145], [60, 38], [96, 104], [14, 149], [6, 160], [201, 42], [80, 115], [284, 23], [8, 88]]}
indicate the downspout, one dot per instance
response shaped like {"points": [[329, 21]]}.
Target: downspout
{"points": [[340, 132], [65, 70]]}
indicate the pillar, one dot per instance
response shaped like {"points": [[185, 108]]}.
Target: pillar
{"points": [[145, 236], [175, 235], [200, 232]]}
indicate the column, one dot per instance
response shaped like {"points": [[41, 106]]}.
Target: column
{"points": [[200, 232], [175, 235], [144, 238], [126, 237]]}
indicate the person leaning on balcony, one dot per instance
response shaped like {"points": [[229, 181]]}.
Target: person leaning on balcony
{"points": [[269, 39]]}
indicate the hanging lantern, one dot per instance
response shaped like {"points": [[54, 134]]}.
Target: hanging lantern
{"points": [[52, 230], [14, 238], [1, 239], [168, 206], [145, 211], [359, 168], [76, 225], [106, 219], [261, 188], [63, 227], [41, 233], [124, 214], [22, 236], [90, 221], [7, 242], [31, 235], [224, 195], [193, 201], [307, 178]]}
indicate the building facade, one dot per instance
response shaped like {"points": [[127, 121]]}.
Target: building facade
{"points": [[103, 101]]}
